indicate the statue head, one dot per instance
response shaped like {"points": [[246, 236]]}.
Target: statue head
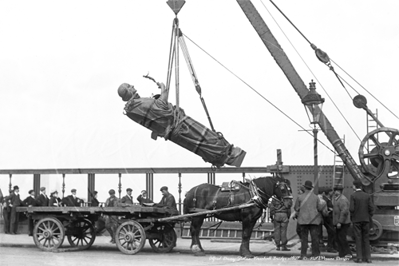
{"points": [[127, 91]]}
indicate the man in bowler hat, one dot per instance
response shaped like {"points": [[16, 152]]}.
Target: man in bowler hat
{"points": [[362, 210], [15, 202], [308, 207], [30, 201]]}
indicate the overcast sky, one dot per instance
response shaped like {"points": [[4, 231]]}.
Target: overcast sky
{"points": [[62, 62]]}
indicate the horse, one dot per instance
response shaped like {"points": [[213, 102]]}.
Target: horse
{"points": [[210, 197]]}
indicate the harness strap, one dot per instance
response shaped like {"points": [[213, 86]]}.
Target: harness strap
{"points": [[195, 198]]}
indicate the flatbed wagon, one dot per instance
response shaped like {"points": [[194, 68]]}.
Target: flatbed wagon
{"points": [[136, 224]]}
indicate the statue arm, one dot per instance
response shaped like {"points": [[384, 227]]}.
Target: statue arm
{"points": [[164, 92]]}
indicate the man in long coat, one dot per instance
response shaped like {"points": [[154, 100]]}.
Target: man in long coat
{"points": [[15, 202], [7, 211], [308, 207], [341, 221], [362, 210]]}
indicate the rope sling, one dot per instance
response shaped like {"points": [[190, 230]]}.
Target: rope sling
{"points": [[177, 40], [170, 122]]}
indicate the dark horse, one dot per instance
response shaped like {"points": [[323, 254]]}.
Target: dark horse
{"points": [[209, 197]]}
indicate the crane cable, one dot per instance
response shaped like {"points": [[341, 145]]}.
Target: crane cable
{"points": [[258, 93], [329, 65], [328, 95], [177, 41]]}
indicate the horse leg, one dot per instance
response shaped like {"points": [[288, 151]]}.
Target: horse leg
{"points": [[247, 227], [195, 229]]}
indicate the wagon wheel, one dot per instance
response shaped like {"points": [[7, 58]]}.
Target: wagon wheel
{"points": [[83, 234], [130, 237], [166, 240], [376, 233], [48, 234], [383, 159]]}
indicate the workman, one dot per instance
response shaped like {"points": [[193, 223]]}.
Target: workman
{"points": [[168, 201], [111, 221], [143, 198], [128, 199], [280, 212]]}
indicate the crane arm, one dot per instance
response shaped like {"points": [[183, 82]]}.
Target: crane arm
{"points": [[297, 83]]}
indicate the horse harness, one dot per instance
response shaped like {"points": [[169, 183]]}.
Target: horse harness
{"points": [[257, 195]]}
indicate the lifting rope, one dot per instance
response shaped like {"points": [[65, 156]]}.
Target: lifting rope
{"points": [[177, 40], [324, 58]]}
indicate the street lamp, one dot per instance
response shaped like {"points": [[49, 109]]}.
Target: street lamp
{"points": [[313, 103]]}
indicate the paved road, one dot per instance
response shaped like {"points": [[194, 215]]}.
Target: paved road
{"points": [[20, 250], [111, 256]]}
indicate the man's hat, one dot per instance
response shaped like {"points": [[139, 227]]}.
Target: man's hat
{"points": [[16, 187], [338, 188], [73, 190], [30, 191], [164, 188], [129, 189], [308, 184], [111, 191], [42, 189], [357, 183], [95, 192], [143, 191], [54, 191]]}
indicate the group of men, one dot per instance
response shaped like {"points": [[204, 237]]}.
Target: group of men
{"points": [[13, 200], [111, 222], [331, 209]]}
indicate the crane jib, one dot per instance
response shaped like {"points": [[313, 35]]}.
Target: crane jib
{"points": [[299, 86]]}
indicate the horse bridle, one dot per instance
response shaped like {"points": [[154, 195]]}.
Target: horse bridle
{"points": [[262, 203]]}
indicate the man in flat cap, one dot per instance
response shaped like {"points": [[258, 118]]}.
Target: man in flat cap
{"points": [[72, 200], [361, 209], [15, 202], [143, 198], [111, 222], [341, 221], [308, 206], [128, 199], [30, 201], [42, 199], [168, 201]]}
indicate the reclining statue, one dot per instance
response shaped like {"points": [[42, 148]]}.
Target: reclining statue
{"points": [[171, 123]]}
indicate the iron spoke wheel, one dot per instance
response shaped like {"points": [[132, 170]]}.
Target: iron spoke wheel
{"points": [[82, 234], [379, 152], [166, 239], [48, 234], [130, 237]]}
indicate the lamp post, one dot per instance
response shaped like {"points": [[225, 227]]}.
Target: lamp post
{"points": [[313, 103]]}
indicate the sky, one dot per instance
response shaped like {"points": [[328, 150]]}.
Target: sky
{"points": [[62, 62]]}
